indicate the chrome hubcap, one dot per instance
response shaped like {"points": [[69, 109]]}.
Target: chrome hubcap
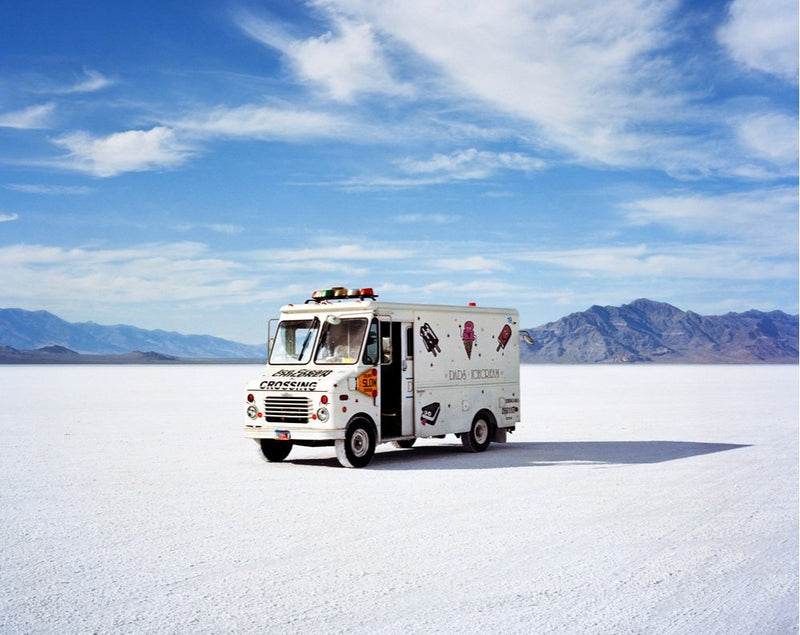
{"points": [[359, 443], [481, 431]]}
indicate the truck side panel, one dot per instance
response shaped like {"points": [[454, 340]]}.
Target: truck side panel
{"points": [[465, 360]]}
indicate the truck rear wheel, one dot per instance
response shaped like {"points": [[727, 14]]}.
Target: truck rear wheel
{"points": [[479, 436], [404, 443], [358, 445], [275, 451]]}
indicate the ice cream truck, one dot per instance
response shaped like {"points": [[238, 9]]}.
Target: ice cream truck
{"points": [[347, 370]]}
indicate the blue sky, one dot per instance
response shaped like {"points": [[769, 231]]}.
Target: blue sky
{"points": [[193, 165]]}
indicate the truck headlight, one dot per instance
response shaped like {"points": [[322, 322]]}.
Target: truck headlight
{"points": [[322, 414], [252, 411]]}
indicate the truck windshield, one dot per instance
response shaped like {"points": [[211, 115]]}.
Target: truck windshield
{"points": [[340, 342], [294, 341]]}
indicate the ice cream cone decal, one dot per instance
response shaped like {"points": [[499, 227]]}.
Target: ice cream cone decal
{"points": [[468, 337]]}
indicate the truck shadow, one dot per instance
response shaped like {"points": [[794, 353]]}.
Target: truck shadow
{"points": [[527, 454]]}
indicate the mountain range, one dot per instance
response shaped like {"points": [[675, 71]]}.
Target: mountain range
{"points": [[642, 331], [648, 331], [32, 334]]}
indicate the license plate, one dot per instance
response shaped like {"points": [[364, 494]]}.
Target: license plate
{"points": [[283, 435]]}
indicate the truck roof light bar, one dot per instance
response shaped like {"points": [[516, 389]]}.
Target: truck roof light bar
{"points": [[342, 293]]}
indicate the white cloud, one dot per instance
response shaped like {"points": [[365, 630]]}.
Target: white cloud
{"points": [[462, 165], [772, 137], [332, 248], [763, 217], [265, 122], [226, 228], [345, 62], [600, 82], [585, 76], [470, 164], [450, 291], [90, 82], [56, 190], [668, 262], [763, 35], [129, 151], [219, 228], [145, 273], [33, 117], [6, 218], [480, 264], [436, 219]]}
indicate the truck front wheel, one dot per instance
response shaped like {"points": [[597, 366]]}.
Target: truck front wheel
{"points": [[358, 445], [275, 451], [480, 435]]}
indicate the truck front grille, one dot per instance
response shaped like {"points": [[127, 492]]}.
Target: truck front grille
{"points": [[287, 409]]}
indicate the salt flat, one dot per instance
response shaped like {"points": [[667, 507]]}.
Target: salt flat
{"points": [[658, 499]]}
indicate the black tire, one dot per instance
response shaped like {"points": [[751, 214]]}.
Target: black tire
{"points": [[479, 436], [275, 451], [404, 443], [358, 445]]}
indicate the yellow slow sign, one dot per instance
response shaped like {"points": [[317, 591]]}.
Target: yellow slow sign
{"points": [[368, 383]]}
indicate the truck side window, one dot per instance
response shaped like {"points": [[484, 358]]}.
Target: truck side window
{"points": [[410, 342], [372, 349]]}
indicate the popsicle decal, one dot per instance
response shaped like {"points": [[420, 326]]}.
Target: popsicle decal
{"points": [[504, 336], [430, 413], [429, 339], [468, 337]]}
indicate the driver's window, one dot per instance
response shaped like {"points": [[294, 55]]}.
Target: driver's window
{"points": [[340, 341]]}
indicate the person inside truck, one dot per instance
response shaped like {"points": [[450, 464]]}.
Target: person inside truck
{"points": [[341, 341]]}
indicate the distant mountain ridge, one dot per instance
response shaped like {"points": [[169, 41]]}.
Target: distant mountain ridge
{"points": [[642, 331], [29, 330], [649, 331], [60, 355]]}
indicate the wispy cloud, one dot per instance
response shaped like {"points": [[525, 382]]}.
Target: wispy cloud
{"points": [[599, 83], [436, 219], [771, 137], [265, 122], [582, 76], [462, 165], [6, 218], [763, 217], [226, 228], [220, 228], [54, 190], [479, 264], [345, 61], [334, 248], [179, 272], [145, 273], [129, 151], [470, 164], [30, 118], [762, 35], [91, 81], [668, 262]]}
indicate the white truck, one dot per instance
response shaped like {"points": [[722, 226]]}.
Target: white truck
{"points": [[347, 370]]}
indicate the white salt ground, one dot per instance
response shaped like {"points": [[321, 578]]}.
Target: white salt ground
{"points": [[632, 499]]}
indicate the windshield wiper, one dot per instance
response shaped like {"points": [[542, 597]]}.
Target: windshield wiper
{"points": [[314, 326]]}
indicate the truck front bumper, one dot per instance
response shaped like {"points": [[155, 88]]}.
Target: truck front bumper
{"points": [[291, 433]]}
